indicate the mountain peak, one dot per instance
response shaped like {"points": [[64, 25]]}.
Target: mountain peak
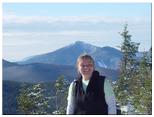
{"points": [[81, 43], [84, 45], [106, 57]]}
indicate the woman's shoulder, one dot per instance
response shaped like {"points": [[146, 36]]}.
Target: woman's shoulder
{"points": [[105, 80], [102, 78], [73, 83]]}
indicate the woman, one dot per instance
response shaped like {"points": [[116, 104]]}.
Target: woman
{"points": [[91, 93]]}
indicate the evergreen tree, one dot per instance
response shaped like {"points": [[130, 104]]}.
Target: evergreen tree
{"points": [[143, 90], [32, 100], [61, 86], [123, 89]]}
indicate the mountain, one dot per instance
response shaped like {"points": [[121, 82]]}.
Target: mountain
{"points": [[43, 72], [8, 64], [106, 57], [36, 72]]}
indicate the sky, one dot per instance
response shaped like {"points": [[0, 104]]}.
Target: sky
{"points": [[36, 28]]}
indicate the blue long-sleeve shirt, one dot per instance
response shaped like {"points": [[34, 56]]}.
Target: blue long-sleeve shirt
{"points": [[109, 96]]}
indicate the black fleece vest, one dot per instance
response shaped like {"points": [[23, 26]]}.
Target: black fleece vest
{"points": [[91, 102]]}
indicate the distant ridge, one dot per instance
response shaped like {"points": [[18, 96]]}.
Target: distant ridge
{"points": [[43, 72], [105, 57]]}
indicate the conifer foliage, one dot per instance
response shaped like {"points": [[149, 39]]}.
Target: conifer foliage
{"points": [[32, 100], [133, 88], [61, 86]]}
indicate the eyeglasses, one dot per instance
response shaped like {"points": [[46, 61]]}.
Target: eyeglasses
{"points": [[88, 65]]}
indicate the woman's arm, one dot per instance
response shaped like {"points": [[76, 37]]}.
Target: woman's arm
{"points": [[110, 97], [70, 98]]}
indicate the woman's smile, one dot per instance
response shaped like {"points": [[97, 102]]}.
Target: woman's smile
{"points": [[86, 68]]}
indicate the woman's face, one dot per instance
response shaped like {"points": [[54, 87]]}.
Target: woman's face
{"points": [[86, 68]]}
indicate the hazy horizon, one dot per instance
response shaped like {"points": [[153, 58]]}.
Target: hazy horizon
{"points": [[36, 28], [58, 49]]}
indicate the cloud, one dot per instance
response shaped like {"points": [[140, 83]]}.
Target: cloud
{"points": [[68, 33], [12, 18], [16, 23], [48, 33]]}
